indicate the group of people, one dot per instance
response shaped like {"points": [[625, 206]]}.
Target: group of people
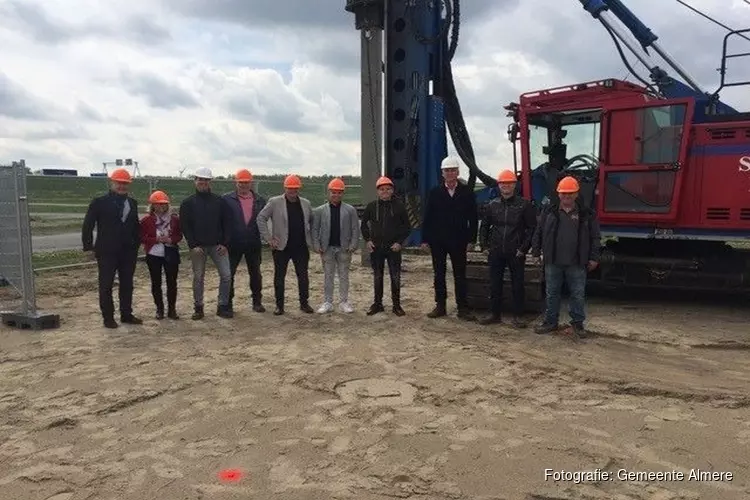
{"points": [[232, 227]]}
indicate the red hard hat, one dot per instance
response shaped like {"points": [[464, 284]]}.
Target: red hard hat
{"points": [[506, 176], [121, 175], [568, 185], [383, 181], [292, 182], [336, 185], [158, 197], [243, 175]]}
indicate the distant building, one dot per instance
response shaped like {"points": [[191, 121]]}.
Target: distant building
{"points": [[98, 174], [60, 171]]}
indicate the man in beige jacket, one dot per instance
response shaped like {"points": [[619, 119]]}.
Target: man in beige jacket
{"points": [[291, 218]]}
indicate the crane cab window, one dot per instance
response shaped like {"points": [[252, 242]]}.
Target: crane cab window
{"points": [[646, 136]]}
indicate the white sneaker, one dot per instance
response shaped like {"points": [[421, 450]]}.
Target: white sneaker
{"points": [[325, 308], [345, 307]]}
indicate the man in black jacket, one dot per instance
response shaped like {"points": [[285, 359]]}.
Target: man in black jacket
{"points": [[205, 223], [508, 224], [115, 216], [450, 229], [569, 239], [385, 227], [245, 242]]}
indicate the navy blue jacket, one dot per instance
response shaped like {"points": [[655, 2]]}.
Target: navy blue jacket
{"points": [[244, 236]]}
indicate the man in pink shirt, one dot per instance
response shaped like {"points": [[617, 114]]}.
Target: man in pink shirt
{"points": [[245, 241]]}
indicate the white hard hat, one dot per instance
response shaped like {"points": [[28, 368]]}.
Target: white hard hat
{"points": [[450, 162], [203, 173]]}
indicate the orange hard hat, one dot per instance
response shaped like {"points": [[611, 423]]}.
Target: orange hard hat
{"points": [[506, 176], [158, 197], [336, 185], [568, 185], [121, 175], [243, 175], [292, 182], [383, 181]]}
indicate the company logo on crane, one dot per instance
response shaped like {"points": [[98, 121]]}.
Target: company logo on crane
{"points": [[745, 164]]}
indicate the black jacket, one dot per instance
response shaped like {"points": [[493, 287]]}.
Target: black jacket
{"points": [[507, 225], [589, 235], [205, 220], [112, 234], [450, 221], [385, 223], [243, 236]]}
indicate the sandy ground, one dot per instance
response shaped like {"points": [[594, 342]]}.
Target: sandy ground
{"points": [[311, 407]]}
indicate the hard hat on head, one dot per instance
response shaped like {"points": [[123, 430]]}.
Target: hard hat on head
{"points": [[121, 175], [450, 162], [292, 182], [568, 185], [203, 173], [336, 185], [158, 197], [506, 176], [243, 175], [383, 181]]}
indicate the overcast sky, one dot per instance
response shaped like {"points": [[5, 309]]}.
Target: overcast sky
{"points": [[274, 85]]}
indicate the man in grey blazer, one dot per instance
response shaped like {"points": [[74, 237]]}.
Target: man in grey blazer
{"points": [[335, 236], [291, 222]]}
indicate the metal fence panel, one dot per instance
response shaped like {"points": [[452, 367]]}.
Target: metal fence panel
{"points": [[18, 297]]}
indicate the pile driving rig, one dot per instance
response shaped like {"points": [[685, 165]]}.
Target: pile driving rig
{"points": [[665, 164]]}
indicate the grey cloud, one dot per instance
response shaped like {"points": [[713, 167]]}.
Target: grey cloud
{"points": [[73, 132], [32, 19], [16, 102], [87, 112], [157, 92], [280, 114]]}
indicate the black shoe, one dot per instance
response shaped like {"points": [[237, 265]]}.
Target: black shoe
{"points": [[172, 314], [398, 311], [131, 320], [494, 319], [465, 315], [438, 312], [578, 330], [545, 328], [375, 308], [110, 323], [198, 314], [278, 311], [305, 308], [159, 314], [224, 312], [259, 308], [518, 322]]}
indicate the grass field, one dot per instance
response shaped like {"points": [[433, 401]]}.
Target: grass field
{"points": [[73, 194]]}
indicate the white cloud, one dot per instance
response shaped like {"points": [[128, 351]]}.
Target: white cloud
{"points": [[278, 90]]}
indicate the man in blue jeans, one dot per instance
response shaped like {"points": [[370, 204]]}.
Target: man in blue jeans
{"points": [[568, 237]]}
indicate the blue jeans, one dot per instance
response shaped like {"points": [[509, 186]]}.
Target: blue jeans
{"points": [[199, 273], [575, 277]]}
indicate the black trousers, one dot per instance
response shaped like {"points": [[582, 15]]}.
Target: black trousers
{"points": [[516, 265], [300, 257], [378, 259], [253, 257], [171, 269], [440, 254], [123, 264]]}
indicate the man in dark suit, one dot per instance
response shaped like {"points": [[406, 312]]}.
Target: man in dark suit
{"points": [[450, 230], [115, 217], [245, 204]]}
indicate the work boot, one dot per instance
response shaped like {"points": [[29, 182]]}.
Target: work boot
{"points": [[465, 315], [438, 312], [172, 313], [198, 314], [305, 308], [517, 322], [110, 323], [258, 307], [578, 330], [279, 310], [159, 314], [397, 310], [224, 312], [493, 319], [131, 320], [545, 328], [375, 308]]}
